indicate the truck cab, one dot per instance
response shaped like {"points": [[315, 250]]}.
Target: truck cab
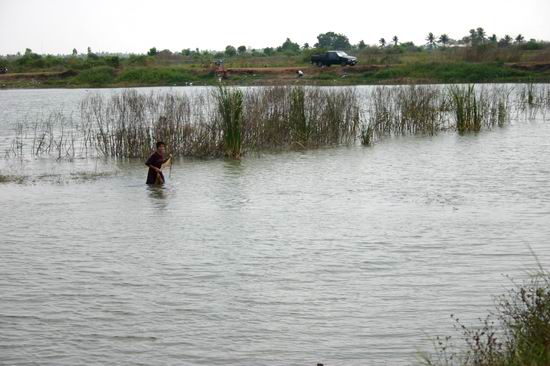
{"points": [[333, 58]]}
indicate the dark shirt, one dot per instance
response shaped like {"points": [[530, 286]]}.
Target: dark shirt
{"points": [[155, 160]]}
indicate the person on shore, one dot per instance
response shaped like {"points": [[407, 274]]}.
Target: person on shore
{"points": [[155, 161]]}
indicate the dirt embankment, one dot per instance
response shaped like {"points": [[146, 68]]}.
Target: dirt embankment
{"points": [[530, 66], [308, 70], [38, 75]]}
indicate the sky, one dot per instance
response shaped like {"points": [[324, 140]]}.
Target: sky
{"points": [[134, 26]]}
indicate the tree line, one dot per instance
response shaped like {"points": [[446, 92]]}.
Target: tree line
{"points": [[325, 41]]}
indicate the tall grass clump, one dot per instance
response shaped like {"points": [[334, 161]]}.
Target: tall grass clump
{"points": [[297, 116], [230, 109], [228, 122], [468, 108], [128, 124], [232, 122], [339, 119], [421, 110], [405, 110], [53, 135], [534, 98], [285, 117], [367, 135], [499, 106], [517, 333]]}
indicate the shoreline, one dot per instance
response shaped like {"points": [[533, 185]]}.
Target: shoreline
{"points": [[177, 76]]}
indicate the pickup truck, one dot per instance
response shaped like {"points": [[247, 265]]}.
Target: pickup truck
{"points": [[333, 58]]}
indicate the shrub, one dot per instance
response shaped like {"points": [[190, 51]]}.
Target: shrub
{"points": [[517, 334], [96, 76], [155, 75]]}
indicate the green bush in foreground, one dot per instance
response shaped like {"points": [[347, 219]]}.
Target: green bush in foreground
{"points": [[516, 334]]}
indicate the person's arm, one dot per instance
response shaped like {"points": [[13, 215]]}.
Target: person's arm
{"points": [[150, 162], [153, 167]]}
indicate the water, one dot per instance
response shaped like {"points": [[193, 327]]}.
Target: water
{"points": [[346, 256]]}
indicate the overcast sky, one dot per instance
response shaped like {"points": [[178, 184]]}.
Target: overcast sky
{"points": [[58, 26]]}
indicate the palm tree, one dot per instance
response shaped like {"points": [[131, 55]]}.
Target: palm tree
{"points": [[443, 39], [473, 37], [382, 42], [480, 33], [506, 40], [431, 40], [395, 40], [520, 39]]}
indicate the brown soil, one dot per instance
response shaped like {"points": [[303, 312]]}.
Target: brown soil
{"points": [[531, 66], [37, 75], [308, 70]]}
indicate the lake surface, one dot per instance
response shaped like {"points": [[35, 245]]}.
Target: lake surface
{"points": [[345, 256]]}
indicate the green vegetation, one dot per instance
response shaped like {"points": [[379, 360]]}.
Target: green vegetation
{"points": [[445, 72], [155, 76], [297, 116], [96, 76], [475, 58], [467, 107], [517, 333], [428, 110], [228, 122], [405, 111], [230, 108], [232, 121]]}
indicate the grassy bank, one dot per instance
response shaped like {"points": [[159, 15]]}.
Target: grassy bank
{"points": [[412, 73], [395, 64]]}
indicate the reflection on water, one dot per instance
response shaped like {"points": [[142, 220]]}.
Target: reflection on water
{"points": [[156, 191], [343, 256], [159, 195]]}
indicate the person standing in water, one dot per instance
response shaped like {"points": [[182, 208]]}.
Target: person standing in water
{"points": [[155, 161]]}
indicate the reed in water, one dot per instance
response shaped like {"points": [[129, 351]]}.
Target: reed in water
{"points": [[428, 110], [230, 111], [407, 110], [233, 121], [228, 122]]}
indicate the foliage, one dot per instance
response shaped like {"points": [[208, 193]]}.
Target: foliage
{"points": [[230, 108], [230, 51], [468, 108], [96, 76], [516, 334], [447, 72], [334, 41], [289, 47], [156, 76]]}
